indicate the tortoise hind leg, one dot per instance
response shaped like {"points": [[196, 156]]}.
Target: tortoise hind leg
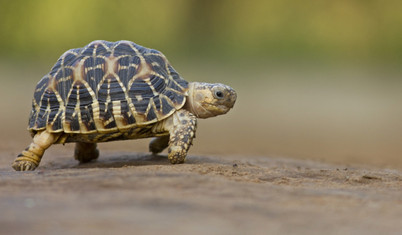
{"points": [[85, 152], [158, 144], [29, 159]]}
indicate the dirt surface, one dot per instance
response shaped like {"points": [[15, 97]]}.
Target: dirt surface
{"points": [[140, 193]]}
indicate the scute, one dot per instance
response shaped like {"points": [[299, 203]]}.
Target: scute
{"points": [[105, 87]]}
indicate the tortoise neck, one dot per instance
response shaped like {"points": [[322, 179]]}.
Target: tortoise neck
{"points": [[199, 97], [190, 104]]}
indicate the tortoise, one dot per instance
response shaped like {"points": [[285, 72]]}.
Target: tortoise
{"points": [[109, 91]]}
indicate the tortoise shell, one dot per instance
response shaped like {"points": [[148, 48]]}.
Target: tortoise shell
{"points": [[106, 87]]}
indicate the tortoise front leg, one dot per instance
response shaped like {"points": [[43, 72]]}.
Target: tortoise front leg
{"points": [[29, 159], [181, 135], [85, 152]]}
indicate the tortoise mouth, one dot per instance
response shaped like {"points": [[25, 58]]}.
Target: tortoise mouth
{"points": [[232, 98]]}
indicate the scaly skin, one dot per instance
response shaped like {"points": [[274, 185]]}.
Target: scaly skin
{"points": [[181, 135], [181, 127], [85, 152], [29, 159]]}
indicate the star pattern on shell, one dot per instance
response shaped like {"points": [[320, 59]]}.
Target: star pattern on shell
{"points": [[106, 87]]}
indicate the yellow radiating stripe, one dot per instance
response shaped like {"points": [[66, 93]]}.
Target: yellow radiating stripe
{"points": [[148, 82], [116, 105], [83, 127], [95, 106], [77, 112], [107, 122], [40, 88], [162, 56], [40, 104], [47, 112], [155, 64], [96, 115], [61, 106]]}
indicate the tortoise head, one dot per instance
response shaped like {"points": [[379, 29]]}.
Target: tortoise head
{"points": [[210, 99]]}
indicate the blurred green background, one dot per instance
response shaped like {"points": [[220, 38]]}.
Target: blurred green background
{"points": [[315, 79], [330, 30]]}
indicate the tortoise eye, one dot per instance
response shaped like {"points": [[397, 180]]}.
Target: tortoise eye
{"points": [[219, 94]]}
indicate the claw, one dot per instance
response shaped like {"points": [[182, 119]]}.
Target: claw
{"points": [[24, 166]]}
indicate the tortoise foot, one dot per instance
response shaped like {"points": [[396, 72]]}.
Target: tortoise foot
{"points": [[86, 152], [84, 157], [30, 158], [177, 157], [24, 165]]}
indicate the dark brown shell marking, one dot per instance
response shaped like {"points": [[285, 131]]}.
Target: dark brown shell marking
{"points": [[104, 87]]}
